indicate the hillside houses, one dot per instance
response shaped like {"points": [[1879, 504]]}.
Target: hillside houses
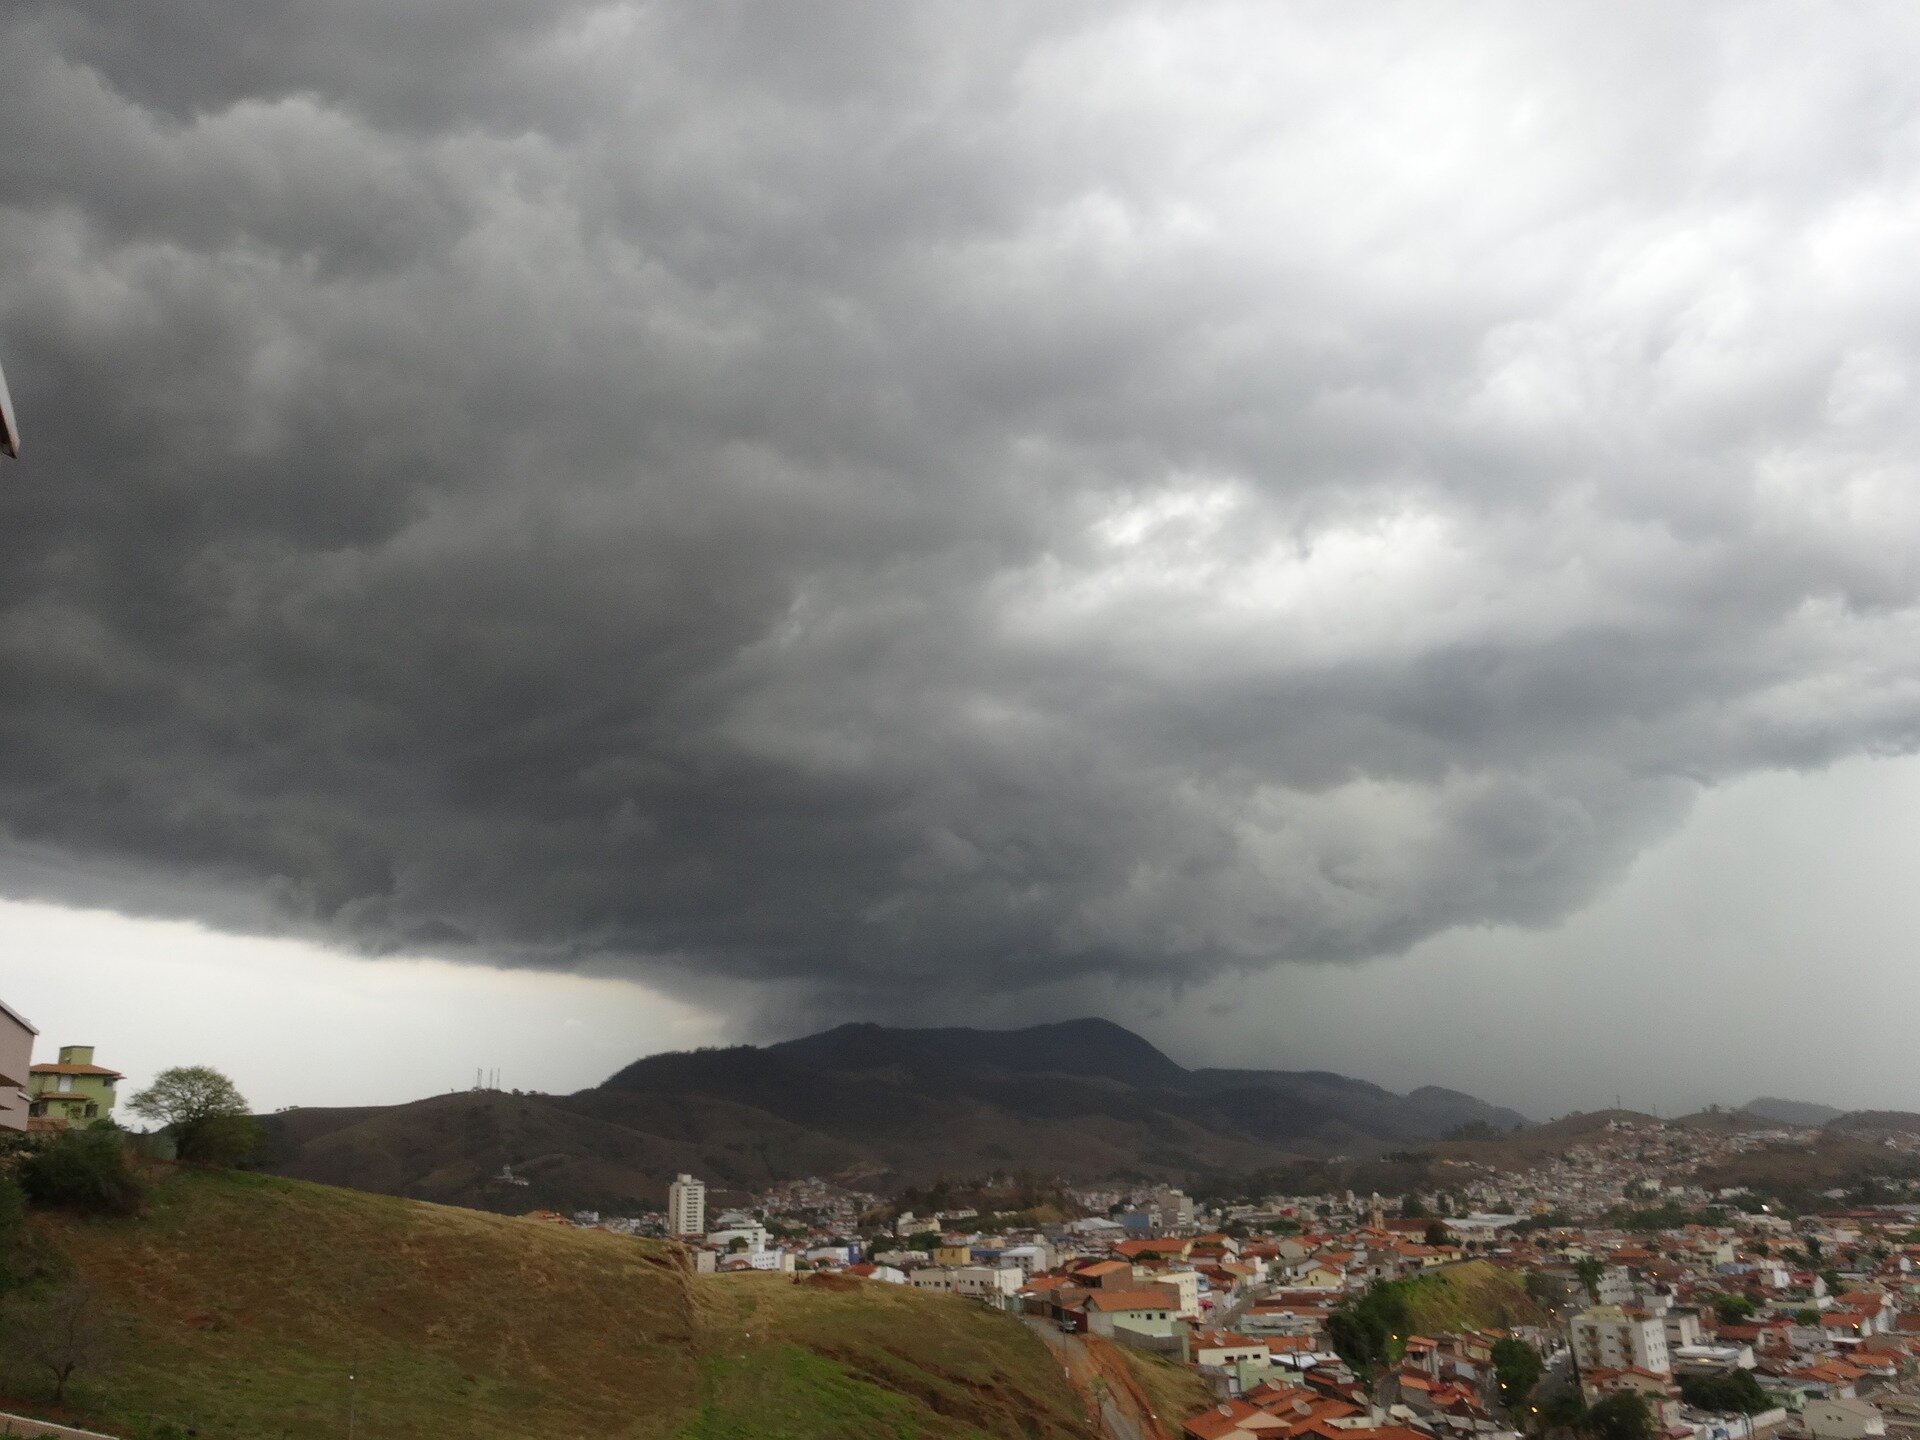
{"points": [[1634, 1286]]}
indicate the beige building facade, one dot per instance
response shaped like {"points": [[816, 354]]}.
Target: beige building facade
{"points": [[16, 1060]]}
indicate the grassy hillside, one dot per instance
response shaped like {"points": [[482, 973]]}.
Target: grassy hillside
{"points": [[1476, 1295], [241, 1303], [1802, 1172]]}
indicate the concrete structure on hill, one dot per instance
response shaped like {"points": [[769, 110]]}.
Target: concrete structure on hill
{"points": [[16, 1056], [72, 1091], [687, 1206]]}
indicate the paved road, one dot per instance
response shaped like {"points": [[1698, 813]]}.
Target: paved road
{"points": [[1116, 1414]]}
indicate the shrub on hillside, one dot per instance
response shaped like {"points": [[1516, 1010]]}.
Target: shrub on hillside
{"points": [[84, 1170]]}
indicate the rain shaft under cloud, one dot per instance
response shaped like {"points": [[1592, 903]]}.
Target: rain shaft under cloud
{"points": [[921, 499]]}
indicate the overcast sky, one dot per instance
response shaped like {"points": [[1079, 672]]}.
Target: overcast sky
{"points": [[1381, 537]]}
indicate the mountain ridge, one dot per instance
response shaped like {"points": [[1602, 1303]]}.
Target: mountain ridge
{"points": [[879, 1106], [1792, 1112]]}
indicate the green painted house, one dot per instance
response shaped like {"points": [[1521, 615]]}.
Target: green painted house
{"points": [[73, 1091]]}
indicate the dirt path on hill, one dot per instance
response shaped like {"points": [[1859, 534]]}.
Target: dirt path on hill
{"points": [[1101, 1376]]}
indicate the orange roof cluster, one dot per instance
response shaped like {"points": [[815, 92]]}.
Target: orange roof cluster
{"points": [[1278, 1411], [99, 1070]]}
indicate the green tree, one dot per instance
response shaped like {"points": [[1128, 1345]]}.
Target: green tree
{"points": [[1561, 1411], [84, 1170], [1732, 1309], [1517, 1367], [1438, 1234], [1620, 1417], [1725, 1394], [1368, 1331], [1412, 1208], [1590, 1270], [205, 1113]]}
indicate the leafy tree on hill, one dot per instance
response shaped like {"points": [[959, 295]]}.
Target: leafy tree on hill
{"points": [[1413, 1208], [1368, 1331], [1517, 1367], [1738, 1393], [1732, 1309], [204, 1111], [1620, 1417], [1438, 1234], [1561, 1411], [1589, 1269]]}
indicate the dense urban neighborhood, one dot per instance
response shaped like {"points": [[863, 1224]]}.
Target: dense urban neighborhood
{"points": [[1604, 1291]]}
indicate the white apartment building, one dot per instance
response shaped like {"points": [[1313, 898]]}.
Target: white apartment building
{"points": [[687, 1206], [1611, 1337]]}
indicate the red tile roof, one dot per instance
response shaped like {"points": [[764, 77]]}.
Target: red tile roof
{"points": [[1130, 1300]]}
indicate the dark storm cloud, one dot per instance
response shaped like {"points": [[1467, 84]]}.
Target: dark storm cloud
{"points": [[907, 496]]}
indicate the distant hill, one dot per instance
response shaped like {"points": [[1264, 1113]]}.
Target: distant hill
{"points": [[240, 1303], [1538, 1142], [1791, 1112], [879, 1106], [1803, 1170], [1875, 1124]]}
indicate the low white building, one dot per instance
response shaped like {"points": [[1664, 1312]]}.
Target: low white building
{"points": [[1029, 1260], [1842, 1419], [985, 1282], [755, 1238]]}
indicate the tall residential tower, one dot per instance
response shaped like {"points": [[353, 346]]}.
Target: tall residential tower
{"points": [[687, 1206]]}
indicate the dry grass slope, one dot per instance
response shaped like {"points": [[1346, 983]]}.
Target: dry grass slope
{"points": [[883, 1360], [242, 1302], [1476, 1295]]}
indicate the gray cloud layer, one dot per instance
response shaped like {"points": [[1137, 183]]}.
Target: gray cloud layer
{"points": [[948, 495]]}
